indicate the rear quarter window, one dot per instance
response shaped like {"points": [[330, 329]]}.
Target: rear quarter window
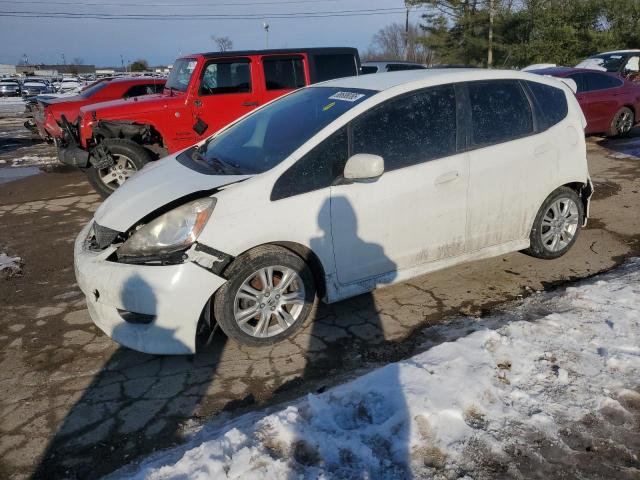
{"points": [[330, 66], [551, 104], [500, 112]]}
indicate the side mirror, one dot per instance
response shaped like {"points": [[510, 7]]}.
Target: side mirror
{"points": [[363, 167]]}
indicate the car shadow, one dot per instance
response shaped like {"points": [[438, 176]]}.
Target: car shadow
{"points": [[136, 403], [8, 145], [624, 147], [392, 454]]}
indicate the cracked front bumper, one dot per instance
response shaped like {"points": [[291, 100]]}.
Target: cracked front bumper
{"points": [[172, 297]]}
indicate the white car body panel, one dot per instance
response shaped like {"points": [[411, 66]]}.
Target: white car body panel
{"points": [[418, 219]]}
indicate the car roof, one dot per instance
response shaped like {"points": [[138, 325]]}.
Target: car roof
{"points": [[563, 71], [316, 51], [616, 51], [423, 78], [387, 62]]}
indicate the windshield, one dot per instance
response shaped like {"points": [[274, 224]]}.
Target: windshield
{"points": [[181, 74], [93, 89], [264, 139], [608, 62]]}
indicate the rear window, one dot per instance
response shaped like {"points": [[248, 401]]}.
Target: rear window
{"points": [[283, 73], [500, 112], [332, 66], [551, 102]]}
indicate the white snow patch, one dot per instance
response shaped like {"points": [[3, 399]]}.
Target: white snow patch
{"points": [[33, 160], [550, 362], [12, 264]]}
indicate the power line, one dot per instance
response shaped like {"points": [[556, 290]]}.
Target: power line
{"points": [[149, 16], [108, 4]]}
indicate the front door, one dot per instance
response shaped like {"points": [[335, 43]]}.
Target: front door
{"points": [[226, 92], [416, 211]]}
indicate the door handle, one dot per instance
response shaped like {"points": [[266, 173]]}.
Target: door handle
{"points": [[198, 103], [249, 104], [447, 177], [541, 150]]}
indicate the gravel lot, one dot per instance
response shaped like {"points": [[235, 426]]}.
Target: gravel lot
{"points": [[75, 405]]}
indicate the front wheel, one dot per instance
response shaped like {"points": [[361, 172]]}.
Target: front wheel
{"points": [[557, 224], [268, 296], [128, 158]]}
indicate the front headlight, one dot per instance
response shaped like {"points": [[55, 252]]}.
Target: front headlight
{"points": [[170, 232]]}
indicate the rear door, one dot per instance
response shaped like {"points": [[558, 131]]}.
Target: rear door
{"points": [[282, 74], [225, 91], [501, 162]]}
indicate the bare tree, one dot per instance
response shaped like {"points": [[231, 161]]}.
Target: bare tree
{"points": [[78, 61], [399, 42], [224, 43]]}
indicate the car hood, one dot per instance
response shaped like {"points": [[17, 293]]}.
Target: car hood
{"points": [[156, 185], [136, 105]]}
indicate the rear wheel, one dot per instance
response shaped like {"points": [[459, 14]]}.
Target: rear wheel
{"points": [[622, 123], [557, 224], [268, 296], [128, 158]]}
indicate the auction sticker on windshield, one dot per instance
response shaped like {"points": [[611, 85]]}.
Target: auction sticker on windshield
{"points": [[346, 96]]}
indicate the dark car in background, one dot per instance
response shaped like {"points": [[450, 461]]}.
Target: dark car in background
{"points": [[10, 88], [610, 103], [380, 66], [31, 88]]}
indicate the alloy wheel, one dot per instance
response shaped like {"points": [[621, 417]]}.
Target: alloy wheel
{"points": [[559, 224], [118, 173], [269, 301]]}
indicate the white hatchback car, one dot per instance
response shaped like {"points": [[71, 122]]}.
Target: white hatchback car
{"points": [[329, 192]]}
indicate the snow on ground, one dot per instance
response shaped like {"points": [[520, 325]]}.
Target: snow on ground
{"points": [[34, 160], [11, 106], [548, 388], [10, 265]]}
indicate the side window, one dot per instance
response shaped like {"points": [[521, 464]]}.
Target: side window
{"points": [[136, 91], [283, 73], [226, 76], [333, 66], [316, 170], [598, 81], [409, 130], [580, 82], [366, 69], [552, 103], [500, 112]]}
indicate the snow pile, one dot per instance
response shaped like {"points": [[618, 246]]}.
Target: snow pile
{"points": [[33, 160], [12, 265], [489, 398]]}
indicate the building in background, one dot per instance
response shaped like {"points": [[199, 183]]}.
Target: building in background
{"points": [[7, 70]]}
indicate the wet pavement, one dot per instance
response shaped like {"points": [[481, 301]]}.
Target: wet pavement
{"points": [[76, 405]]}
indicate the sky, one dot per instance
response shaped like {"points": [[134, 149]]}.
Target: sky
{"points": [[160, 41]]}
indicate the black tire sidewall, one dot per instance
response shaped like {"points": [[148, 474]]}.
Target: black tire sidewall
{"points": [[238, 272], [138, 155], [536, 248]]}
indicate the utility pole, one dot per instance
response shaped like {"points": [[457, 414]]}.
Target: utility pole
{"points": [[64, 60], [490, 47], [265, 25], [406, 34], [122, 62]]}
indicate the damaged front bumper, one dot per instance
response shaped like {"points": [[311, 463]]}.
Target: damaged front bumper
{"points": [[69, 150], [152, 309]]}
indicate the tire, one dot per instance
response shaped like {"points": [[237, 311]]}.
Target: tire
{"points": [[267, 325], [622, 123], [565, 205], [130, 157]]}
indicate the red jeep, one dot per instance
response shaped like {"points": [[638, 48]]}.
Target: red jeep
{"points": [[204, 92], [47, 112]]}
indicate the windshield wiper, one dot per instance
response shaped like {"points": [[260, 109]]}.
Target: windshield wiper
{"points": [[215, 163]]}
